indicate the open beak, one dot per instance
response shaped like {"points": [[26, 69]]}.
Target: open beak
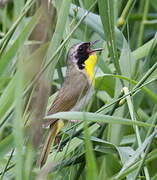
{"points": [[97, 49]]}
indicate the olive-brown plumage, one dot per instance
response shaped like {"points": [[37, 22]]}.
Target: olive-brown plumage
{"points": [[76, 86]]}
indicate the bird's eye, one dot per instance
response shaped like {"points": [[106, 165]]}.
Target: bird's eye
{"points": [[80, 48]]}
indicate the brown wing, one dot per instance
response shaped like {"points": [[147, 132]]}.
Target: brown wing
{"points": [[74, 87]]}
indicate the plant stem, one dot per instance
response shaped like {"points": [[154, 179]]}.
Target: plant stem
{"points": [[141, 32]]}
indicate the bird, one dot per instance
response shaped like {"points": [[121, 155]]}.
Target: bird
{"points": [[77, 86]]}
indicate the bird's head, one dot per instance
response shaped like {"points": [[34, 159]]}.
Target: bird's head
{"points": [[80, 52]]}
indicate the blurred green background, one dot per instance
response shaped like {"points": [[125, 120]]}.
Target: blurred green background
{"points": [[116, 137]]}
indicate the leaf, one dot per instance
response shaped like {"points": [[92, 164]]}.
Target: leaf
{"points": [[106, 12], [136, 155], [95, 117], [105, 83], [6, 145], [126, 61], [24, 34], [125, 153]]}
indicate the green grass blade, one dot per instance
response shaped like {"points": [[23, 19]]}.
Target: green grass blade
{"points": [[90, 158], [95, 117], [18, 123], [106, 11], [8, 55], [5, 145]]}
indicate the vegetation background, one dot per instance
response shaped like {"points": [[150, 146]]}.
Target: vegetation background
{"points": [[116, 137]]}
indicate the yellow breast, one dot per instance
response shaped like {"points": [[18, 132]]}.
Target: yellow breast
{"points": [[89, 66]]}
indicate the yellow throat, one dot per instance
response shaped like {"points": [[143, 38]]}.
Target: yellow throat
{"points": [[89, 66]]}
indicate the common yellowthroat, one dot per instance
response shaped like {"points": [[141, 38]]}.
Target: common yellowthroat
{"points": [[81, 60]]}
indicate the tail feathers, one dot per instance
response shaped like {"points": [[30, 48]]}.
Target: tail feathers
{"points": [[54, 130]]}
